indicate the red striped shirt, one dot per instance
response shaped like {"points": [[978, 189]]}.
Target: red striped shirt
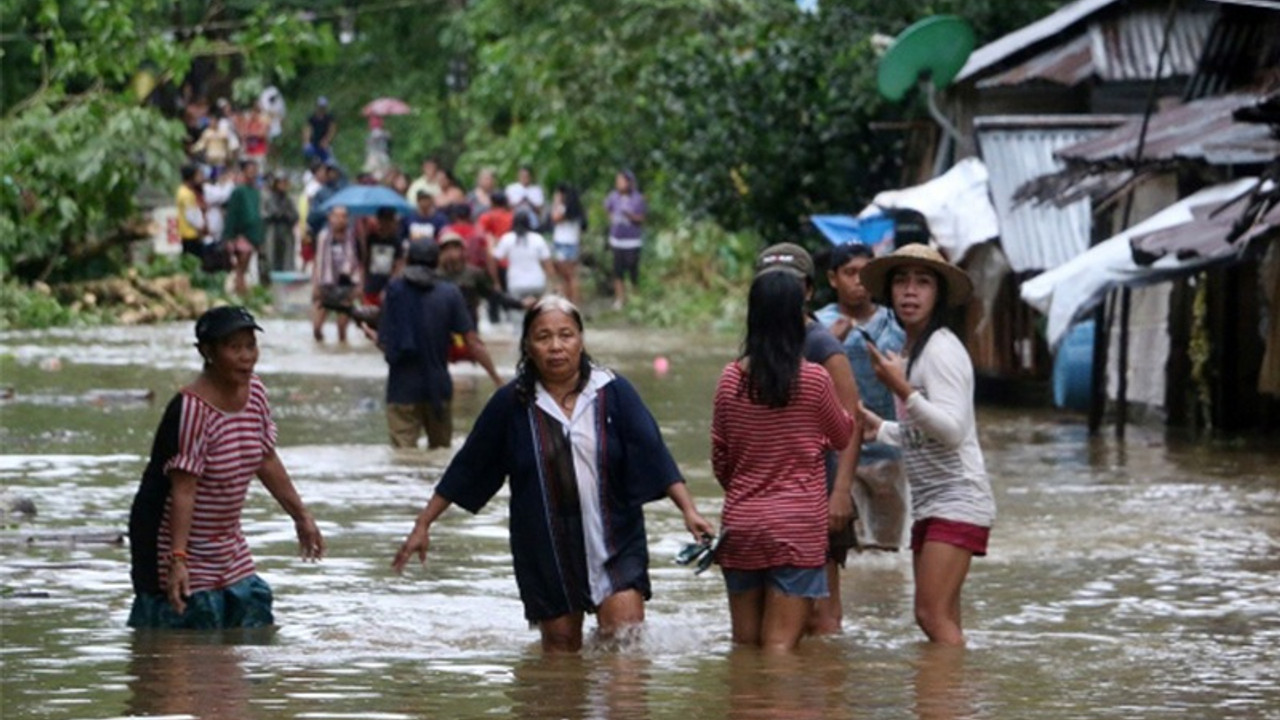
{"points": [[224, 451], [771, 465]]}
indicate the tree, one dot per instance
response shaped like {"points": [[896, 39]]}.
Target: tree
{"points": [[81, 139], [764, 124]]}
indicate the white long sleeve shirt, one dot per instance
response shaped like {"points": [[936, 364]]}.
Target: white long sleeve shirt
{"points": [[939, 437]]}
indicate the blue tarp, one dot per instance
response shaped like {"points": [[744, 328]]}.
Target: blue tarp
{"points": [[841, 229]]}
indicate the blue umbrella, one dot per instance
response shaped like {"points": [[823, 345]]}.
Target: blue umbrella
{"points": [[367, 199]]}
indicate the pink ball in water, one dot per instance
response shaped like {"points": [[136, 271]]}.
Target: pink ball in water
{"points": [[661, 365]]}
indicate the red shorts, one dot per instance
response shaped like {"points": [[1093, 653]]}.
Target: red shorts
{"points": [[458, 350], [374, 299], [966, 536]]}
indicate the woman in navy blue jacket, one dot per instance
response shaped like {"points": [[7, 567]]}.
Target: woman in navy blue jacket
{"points": [[583, 455]]}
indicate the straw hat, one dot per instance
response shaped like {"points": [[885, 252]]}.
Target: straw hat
{"points": [[876, 272]]}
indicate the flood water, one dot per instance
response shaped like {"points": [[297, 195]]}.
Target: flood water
{"points": [[1124, 581]]}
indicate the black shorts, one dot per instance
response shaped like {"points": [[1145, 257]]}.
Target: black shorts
{"points": [[626, 262]]}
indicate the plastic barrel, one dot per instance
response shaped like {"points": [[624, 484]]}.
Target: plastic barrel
{"points": [[1073, 369]]}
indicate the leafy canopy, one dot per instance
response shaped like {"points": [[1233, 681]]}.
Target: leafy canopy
{"points": [[80, 145]]}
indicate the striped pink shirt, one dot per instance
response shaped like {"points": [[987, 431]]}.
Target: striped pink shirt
{"points": [[224, 451], [771, 465]]}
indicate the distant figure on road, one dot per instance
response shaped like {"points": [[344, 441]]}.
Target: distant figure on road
{"points": [[627, 210], [318, 133], [420, 315]]}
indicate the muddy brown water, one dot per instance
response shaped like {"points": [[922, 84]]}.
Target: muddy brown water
{"points": [[1134, 580]]}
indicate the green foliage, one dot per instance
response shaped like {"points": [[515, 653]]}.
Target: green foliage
{"points": [[26, 307], [695, 275], [78, 147], [749, 113], [72, 173]]}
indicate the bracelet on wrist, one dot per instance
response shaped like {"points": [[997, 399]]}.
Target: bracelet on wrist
{"points": [[178, 556]]}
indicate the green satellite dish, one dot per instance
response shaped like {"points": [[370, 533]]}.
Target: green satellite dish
{"points": [[932, 50]]}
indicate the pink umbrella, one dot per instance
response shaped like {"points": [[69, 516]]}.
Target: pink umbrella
{"points": [[386, 106]]}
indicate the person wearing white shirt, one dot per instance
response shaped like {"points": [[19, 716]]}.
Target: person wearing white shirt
{"points": [[524, 194], [528, 258]]}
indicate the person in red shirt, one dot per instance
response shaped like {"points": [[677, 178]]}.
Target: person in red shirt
{"points": [[493, 224], [775, 417]]}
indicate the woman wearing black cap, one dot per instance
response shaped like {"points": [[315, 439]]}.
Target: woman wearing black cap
{"points": [[191, 564]]}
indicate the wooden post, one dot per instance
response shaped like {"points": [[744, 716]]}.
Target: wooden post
{"points": [[1101, 338], [1122, 365]]}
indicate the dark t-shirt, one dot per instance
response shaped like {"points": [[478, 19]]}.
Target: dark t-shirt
{"points": [[381, 254], [417, 226], [148, 504], [416, 331], [819, 343], [319, 126]]}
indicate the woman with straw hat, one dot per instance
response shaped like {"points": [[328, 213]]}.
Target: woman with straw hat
{"points": [[932, 383]]}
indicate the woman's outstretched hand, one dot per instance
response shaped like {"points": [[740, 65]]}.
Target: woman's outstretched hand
{"points": [[310, 541], [417, 543]]}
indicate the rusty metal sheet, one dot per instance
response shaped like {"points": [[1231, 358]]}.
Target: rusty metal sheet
{"points": [[1206, 237], [1199, 130], [1018, 149], [1127, 47]]}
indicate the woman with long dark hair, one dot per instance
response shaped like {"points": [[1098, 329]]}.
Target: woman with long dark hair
{"points": [[775, 417], [568, 220], [583, 455], [932, 383]]}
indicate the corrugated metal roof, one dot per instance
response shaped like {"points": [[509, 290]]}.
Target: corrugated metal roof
{"points": [[1068, 64], [1200, 130], [1243, 45], [1123, 47], [1024, 37], [1035, 237], [1127, 46], [1207, 236]]}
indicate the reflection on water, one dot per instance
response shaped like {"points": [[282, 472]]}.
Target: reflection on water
{"points": [[1133, 580], [196, 674]]}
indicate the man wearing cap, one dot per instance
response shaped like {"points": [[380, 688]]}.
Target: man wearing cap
{"points": [[420, 314], [821, 347], [318, 133], [471, 280]]}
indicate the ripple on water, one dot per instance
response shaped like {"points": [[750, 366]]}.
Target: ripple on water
{"points": [[1134, 580]]}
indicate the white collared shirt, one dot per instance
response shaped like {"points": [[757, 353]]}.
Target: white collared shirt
{"points": [[581, 430]]}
